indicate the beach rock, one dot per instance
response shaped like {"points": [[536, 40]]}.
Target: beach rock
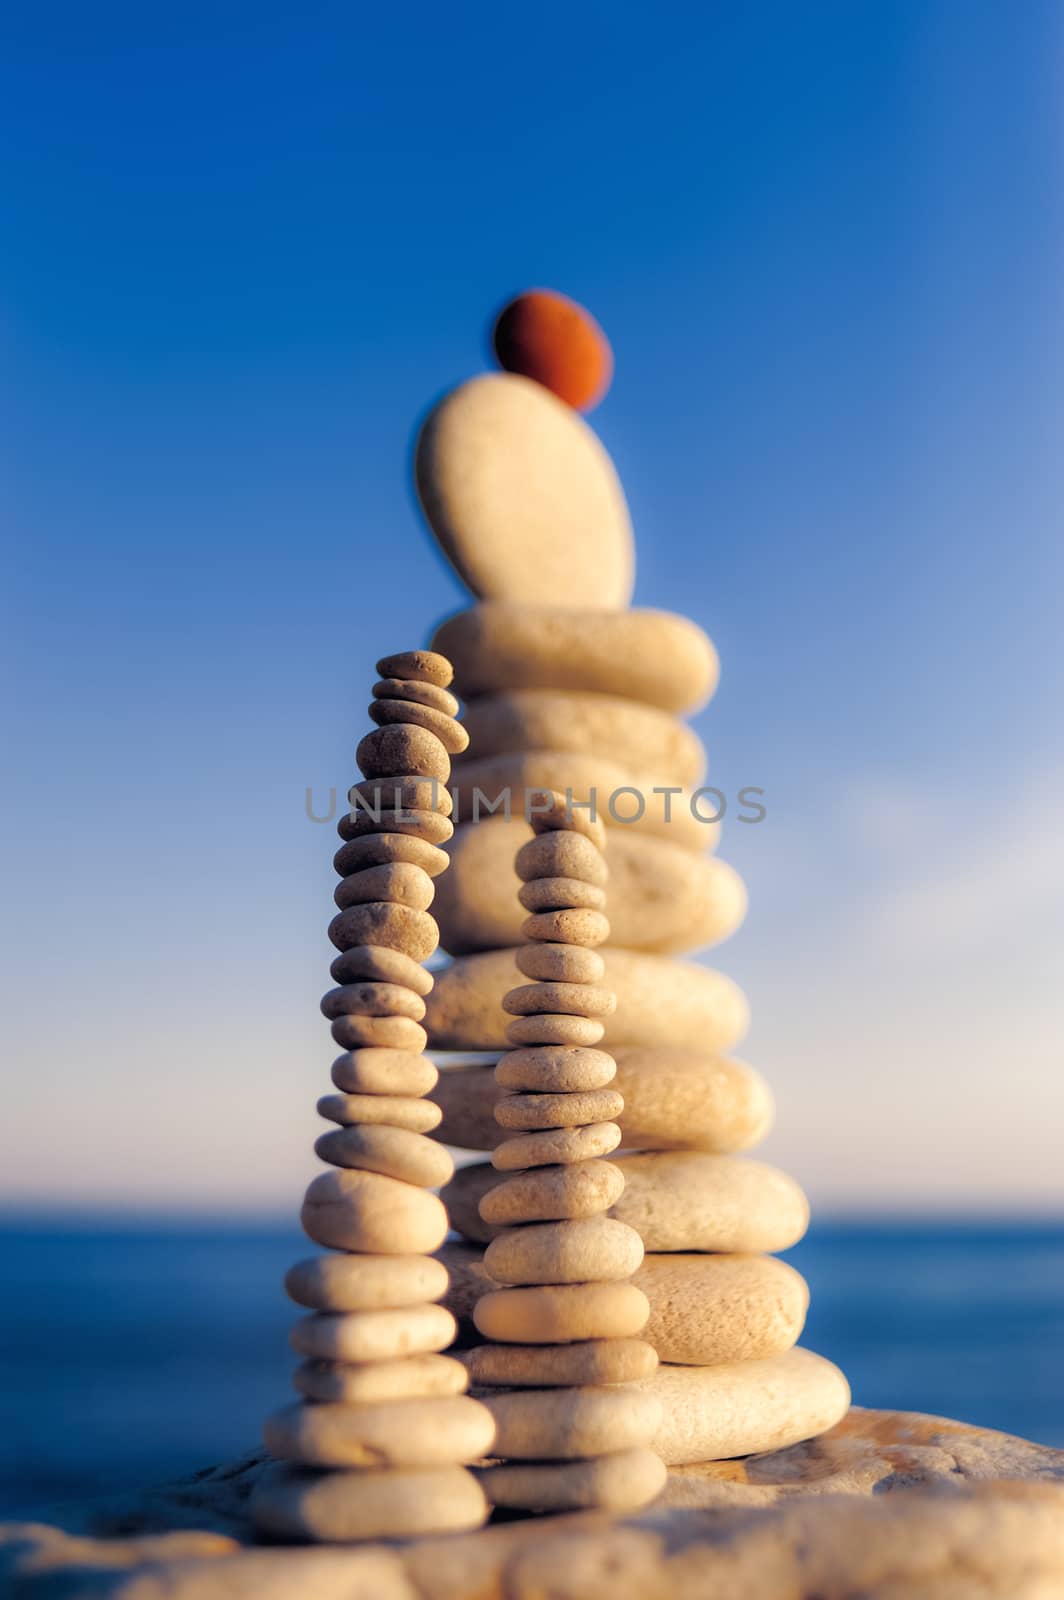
{"points": [[375, 963], [527, 1112], [566, 1424], [625, 1480], [592, 1361], [590, 1249], [582, 1189], [688, 1200], [554, 1314], [395, 1152], [407, 713], [575, 925], [628, 731], [389, 1033], [402, 1379], [654, 656], [384, 1072], [401, 882], [292, 1502], [567, 1146], [421, 694], [522, 497], [558, 963], [737, 1409], [366, 1283], [548, 337], [391, 1111], [435, 827], [419, 666], [421, 1432], [372, 1000], [578, 999], [711, 1309], [365, 1211], [546, 1069], [373, 1335], [411, 751], [400, 792], [547, 1028], [402, 928], [561, 894], [660, 1002], [560, 854]]}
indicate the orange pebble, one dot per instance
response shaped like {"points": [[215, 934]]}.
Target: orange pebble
{"points": [[548, 337]]}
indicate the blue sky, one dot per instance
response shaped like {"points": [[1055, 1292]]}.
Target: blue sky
{"points": [[246, 248]]}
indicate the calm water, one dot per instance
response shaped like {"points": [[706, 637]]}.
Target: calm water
{"points": [[130, 1356]]}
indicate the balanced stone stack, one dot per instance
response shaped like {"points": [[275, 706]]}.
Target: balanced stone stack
{"points": [[564, 1324], [376, 1446], [568, 689]]}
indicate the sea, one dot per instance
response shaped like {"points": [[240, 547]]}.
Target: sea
{"points": [[130, 1354]]}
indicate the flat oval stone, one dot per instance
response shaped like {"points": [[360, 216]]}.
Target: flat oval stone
{"points": [[365, 1283], [395, 1152], [661, 1002], [390, 1033], [530, 1112], [675, 1098], [431, 826], [522, 497], [406, 713], [621, 1482], [398, 927], [549, 809], [709, 1309], [571, 1424], [373, 1335], [378, 849], [405, 1379], [653, 656], [391, 1111], [557, 1313], [400, 792], [561, 894], [548, 1194], [574, 999], [422, 694], [377, 963], [591, 1361], [558, 1069], [418, 666], [628, 731], [549, 1028], [561, 855], [408, 750], [745, 1407], [392, 1433], [384, 1072], [558, 963], [562, 1145], [572, 925], [290, 1502], [687, 1200], [368, 1212], [372, 1000], [398, 881], [587, 1250]]}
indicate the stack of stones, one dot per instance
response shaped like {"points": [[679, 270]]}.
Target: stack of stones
{"points": [[376, 1446], [564, 1323], [569, 689]]}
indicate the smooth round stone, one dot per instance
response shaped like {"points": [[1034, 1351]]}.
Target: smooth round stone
{"points": [[398, 881], [744, 1407], [574, 999], [423, 1432], [628, 731], [395, 1152], [418, 666], [406, 713], [531, 1112], [368, 1212], [709, 1309], [559, 963], [373, 1335], [384, 1072], [391, 1111], [336, 1507], [406, 1379], [643, 804], [653, 656], [554, 810], [389, 1033], [622, 1482], [587, 1250], [571, 925], [372, 1000], [431, 826], [561, 894], [686, 1200], [365, 1283], [571, 1424], [546, 1028], [661, 1002], [662, 899], [549, 1194], [530, 1366], [689, 1098], [561, 1145], [522, 497], [558, 1069], [422, 694], [401, 792], [414, 933], [381, 849], [560, 1312], [375, 963], [561, 855], [408, 750]]}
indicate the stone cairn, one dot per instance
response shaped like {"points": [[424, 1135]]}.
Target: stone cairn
{"points": [[566, 688], [564, 1325], [375, 1448]]}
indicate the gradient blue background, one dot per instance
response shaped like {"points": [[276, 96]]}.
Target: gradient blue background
{"points": [[245, 247]]}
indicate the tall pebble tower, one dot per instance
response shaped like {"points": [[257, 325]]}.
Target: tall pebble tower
{"points": [[565, 1322], [568, 688], [375, 1448]]}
